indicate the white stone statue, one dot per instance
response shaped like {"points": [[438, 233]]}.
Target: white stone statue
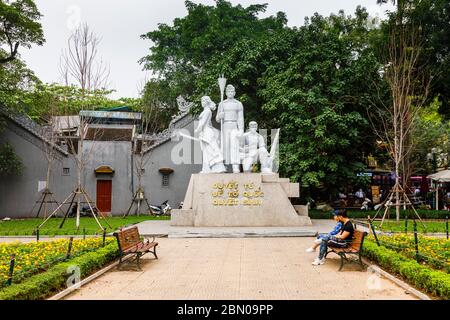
{"points": [[209, 139], [254, 150], [231, 116], [183, 105]]}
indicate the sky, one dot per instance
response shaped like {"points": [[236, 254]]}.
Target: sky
{"points": [[119, 24]]}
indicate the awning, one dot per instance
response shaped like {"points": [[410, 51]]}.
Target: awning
{"points": [[104, 170], [441, 176]]}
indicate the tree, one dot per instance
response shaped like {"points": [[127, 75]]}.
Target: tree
{"points": [[152, 113], [408, 81], [314, 82], [69, 100], [47, 100], [431, 131], [10, 163], [19, 26], [80, 63], [157, 100], [16, 81], [433, 16]]}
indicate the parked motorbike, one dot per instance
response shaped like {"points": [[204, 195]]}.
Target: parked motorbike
{"points": [[367, 205], [163, 209], [85, 211]]}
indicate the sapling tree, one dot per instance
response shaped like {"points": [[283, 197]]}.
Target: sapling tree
{"points": [[408, 83]]}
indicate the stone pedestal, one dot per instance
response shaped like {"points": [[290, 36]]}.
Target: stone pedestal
{"points": [[239, 200]]}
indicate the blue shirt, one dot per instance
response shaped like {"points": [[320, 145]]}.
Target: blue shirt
{"points": [[336, 229]]}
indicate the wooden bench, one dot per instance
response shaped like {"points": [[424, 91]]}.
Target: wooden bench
{"points": [[129, 241], [354, 248]]}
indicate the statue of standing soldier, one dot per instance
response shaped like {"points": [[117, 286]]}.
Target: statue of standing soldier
{"points": [[231, 115]]}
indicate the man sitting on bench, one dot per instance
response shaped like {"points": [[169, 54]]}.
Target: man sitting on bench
{"points": [[341, 240]]}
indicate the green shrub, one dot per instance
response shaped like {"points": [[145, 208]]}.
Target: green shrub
{"points": [[433, 281], [54, 279], [10, 163], [359, 214]]}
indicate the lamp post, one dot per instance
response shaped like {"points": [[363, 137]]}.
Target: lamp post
{"points": [[432, 157]]}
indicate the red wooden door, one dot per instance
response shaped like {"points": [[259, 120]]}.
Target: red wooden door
{"points": [[104, 191]]}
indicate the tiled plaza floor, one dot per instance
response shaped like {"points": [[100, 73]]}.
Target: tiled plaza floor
{"points": [[239, 268]]}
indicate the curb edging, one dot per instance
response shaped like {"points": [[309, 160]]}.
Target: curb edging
{"points": [[418, 294], [85, 281]]}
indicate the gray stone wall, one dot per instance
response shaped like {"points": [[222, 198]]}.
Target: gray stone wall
{"points": [[19, 194], [180, 156], [116, 154]]}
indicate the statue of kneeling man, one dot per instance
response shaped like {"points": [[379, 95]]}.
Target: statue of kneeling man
{"points": [[254, 150]]}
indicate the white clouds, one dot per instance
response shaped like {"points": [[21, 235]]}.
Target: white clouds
{"points": [[120, 23]]}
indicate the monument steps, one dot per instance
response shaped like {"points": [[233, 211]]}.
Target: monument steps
{"points": [[241, 232]]}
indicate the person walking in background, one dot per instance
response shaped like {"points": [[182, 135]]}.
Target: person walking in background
{"points": [[327, 236], [360, 194]]}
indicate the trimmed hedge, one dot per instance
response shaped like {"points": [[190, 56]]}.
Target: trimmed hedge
{"points": [[359, 214], [54, 279], [433, 281]]}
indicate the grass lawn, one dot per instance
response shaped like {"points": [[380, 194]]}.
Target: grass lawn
{"points": [[431, 226], [26, 227]]}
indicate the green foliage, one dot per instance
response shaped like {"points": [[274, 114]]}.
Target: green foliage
{"points": [[50, 282], [16, 80], [158, 105], [19, 27], [432, 131], [47, 100], [432, 18], [432, 251], [180, 52], [432, 281], [10, 163], [314, 82], [359, 214]]}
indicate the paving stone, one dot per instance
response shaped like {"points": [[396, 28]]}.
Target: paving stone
{"points": [[237, 268]]}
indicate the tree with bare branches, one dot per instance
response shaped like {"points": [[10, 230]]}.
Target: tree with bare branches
{"points": [[46, 199], [152, 111], [408, 83], [81, 153], [80, 65], [80, 62]]}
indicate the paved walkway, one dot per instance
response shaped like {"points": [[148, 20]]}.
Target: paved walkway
{"points": [[239, 268]]}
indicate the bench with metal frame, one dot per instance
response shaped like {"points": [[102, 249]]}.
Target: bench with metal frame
{"points": [[129, 241]]}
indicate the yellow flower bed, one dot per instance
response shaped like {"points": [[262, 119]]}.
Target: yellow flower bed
{"points": [[432, 251], [36, 257]]}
